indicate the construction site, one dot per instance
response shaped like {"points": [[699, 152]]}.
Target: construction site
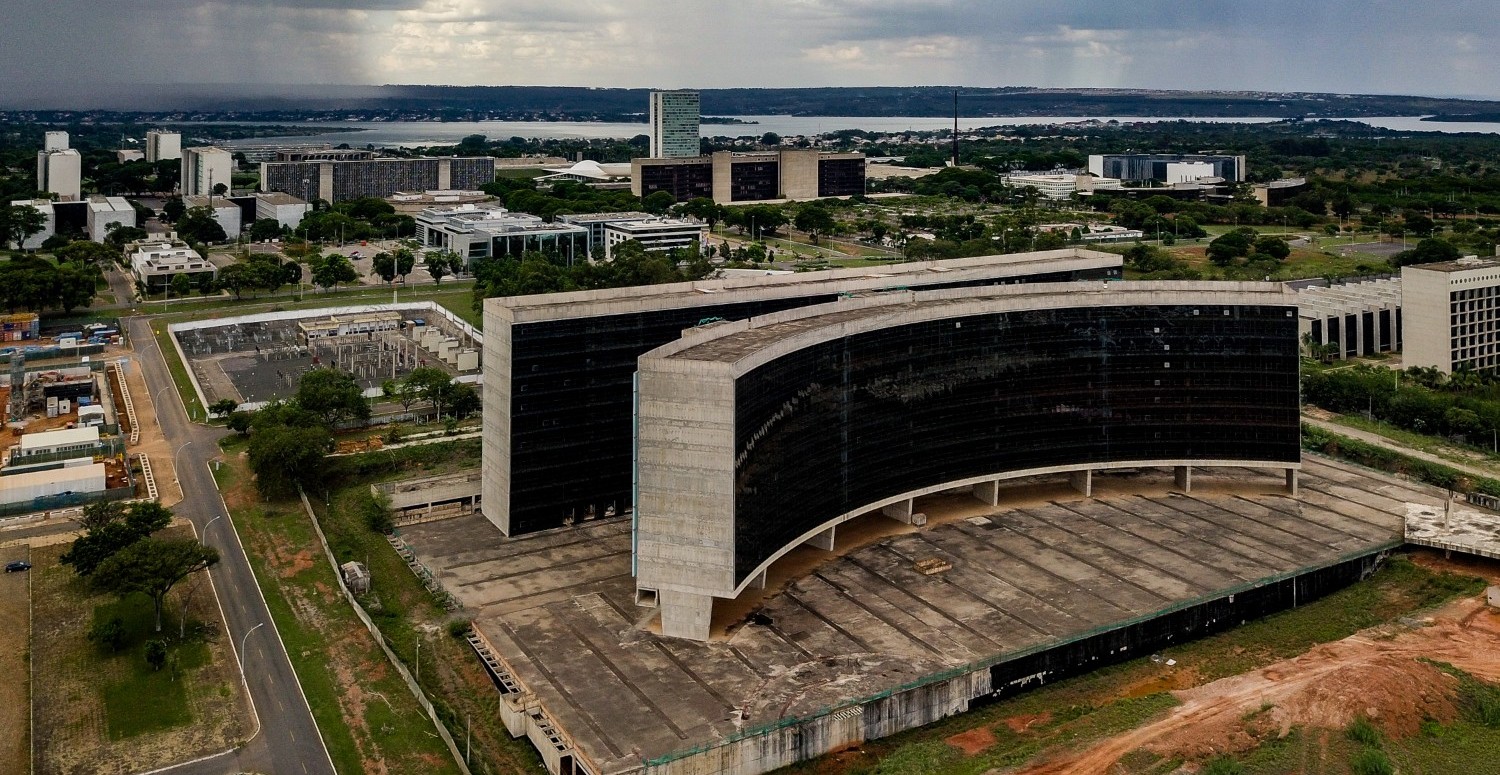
{"points": [[904, 624], [254, 359]]}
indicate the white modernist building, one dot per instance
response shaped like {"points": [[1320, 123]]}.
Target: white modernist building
{"points": [[60, 172], [1451, 315], [655, 234], [162, 145], [1052, 185], [31, 485], [1356, 318], [227, 213], [106, 210], [49, 225], [491, 231], [76, 442], [56, 140], [155, 262], [285, 209], [204, 168], [674, 124]]}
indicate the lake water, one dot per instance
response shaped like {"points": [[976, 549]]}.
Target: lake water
{"points": [[412, 133]]}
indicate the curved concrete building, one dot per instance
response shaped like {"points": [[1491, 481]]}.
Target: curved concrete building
{"points": [[756, 436]]}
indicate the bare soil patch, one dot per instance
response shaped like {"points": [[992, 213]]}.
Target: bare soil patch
{"points": [[1378, 674], [972, 741]]}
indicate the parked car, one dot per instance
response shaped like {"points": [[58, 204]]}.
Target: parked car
{"points": [[18, 565]]}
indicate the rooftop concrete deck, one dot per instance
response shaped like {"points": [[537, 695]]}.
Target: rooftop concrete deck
{"points": [[1047, 565]]}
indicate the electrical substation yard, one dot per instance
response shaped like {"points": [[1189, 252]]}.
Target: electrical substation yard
{"points": [[881, 638]]}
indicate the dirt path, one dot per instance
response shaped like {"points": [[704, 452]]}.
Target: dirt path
{"points": [[1375, 673]]}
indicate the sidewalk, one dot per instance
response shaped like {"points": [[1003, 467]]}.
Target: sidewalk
{"points": [[1395, 446]]}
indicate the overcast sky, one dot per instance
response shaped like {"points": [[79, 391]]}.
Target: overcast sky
{"points": [[1436, 47]]}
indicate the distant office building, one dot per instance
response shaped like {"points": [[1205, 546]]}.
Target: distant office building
{"points": [[49, 227], [413, 202], [729, 177], [655, 234], [1451, 312], [1051, 185], [125, 155], [491, 231], [337, 181], [1167, 168], [226, 213], [595, 222], [255, 154], [204, 168], [60, 172], [324, 153], [1277, 192], [106, 210], [162, 145], [285, 209], [55, 141], [156, 261], [674, 124]]}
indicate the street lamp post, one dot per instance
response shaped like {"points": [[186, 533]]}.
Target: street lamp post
{"points": [[242, 646], [175, 476]]}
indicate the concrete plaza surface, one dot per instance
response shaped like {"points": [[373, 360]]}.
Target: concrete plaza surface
{"points": [[1044, 567]]}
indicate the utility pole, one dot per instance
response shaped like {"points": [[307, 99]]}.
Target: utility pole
{"points": [[955, 127]]}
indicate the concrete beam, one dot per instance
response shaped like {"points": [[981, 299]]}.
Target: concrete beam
{"points": [[900, 511], [823, 540], [1082, 481], [685, 615], [988, 492], [1184, 477], [1291, 482]]}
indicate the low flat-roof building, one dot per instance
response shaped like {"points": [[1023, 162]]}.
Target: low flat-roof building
{"points": [[655, 234], [55, 445], [1451, 312], [1056, 186], [155, 262], [491, 231], [348, 325], [413, 202], [228, 214], [106, 210], [733, 177], [285, 209], [33, 485]]}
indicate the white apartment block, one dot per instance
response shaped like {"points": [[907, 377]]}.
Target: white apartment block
{"points": [[1056, 186], [1451, 315], [227, 213], [105, 210], [285, 209], [204, 168], [55, 141], [162, 145], [674, 124], [60, 172]]}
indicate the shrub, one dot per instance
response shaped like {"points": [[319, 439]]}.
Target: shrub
{"points": [[1362, 731], [1222, 766], [1371, 761], [109, 633], [156, 653], [459, 627]]}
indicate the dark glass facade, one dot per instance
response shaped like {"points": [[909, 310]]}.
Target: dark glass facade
{"points": [[300, 179], [833, 428], [754, 179], [684, 180], [841, 177], [572, 401]]}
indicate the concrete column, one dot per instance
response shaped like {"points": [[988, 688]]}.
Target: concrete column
{"points": [[760, 581], [685, 615], [899, 511], [1083, 481], [823, 540], [988, 492], [1291, 482], [1184, 477]]}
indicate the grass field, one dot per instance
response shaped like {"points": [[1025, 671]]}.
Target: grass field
{"points": [[108, 712], [368, 719], [1114, 699]]}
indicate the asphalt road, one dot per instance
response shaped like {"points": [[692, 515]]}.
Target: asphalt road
{"points": [[288, 742]]}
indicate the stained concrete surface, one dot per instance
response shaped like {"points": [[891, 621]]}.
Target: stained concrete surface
{"points": [[560, 606]]}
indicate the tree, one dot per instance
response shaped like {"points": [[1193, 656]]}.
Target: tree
{"points": [[125, 235], [109, 633], [85, 253], [461, 400], [181, 285], [223, 407], [110, 528], [235, 278], [658, 202], [815, 220], [332, 270], [1428, 251], [1272, 246], [19, 223], [240, 422], [75, 286], [1230, 246], [441, 263], [405, 260], [153, 566], [220, 189], [265, 229], [173, 209], [198, 224], [285, 457], [430, 384], [384, 265], [333, 396]]}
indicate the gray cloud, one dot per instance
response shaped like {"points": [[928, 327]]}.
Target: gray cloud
{"points": [[1335, 45]]}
